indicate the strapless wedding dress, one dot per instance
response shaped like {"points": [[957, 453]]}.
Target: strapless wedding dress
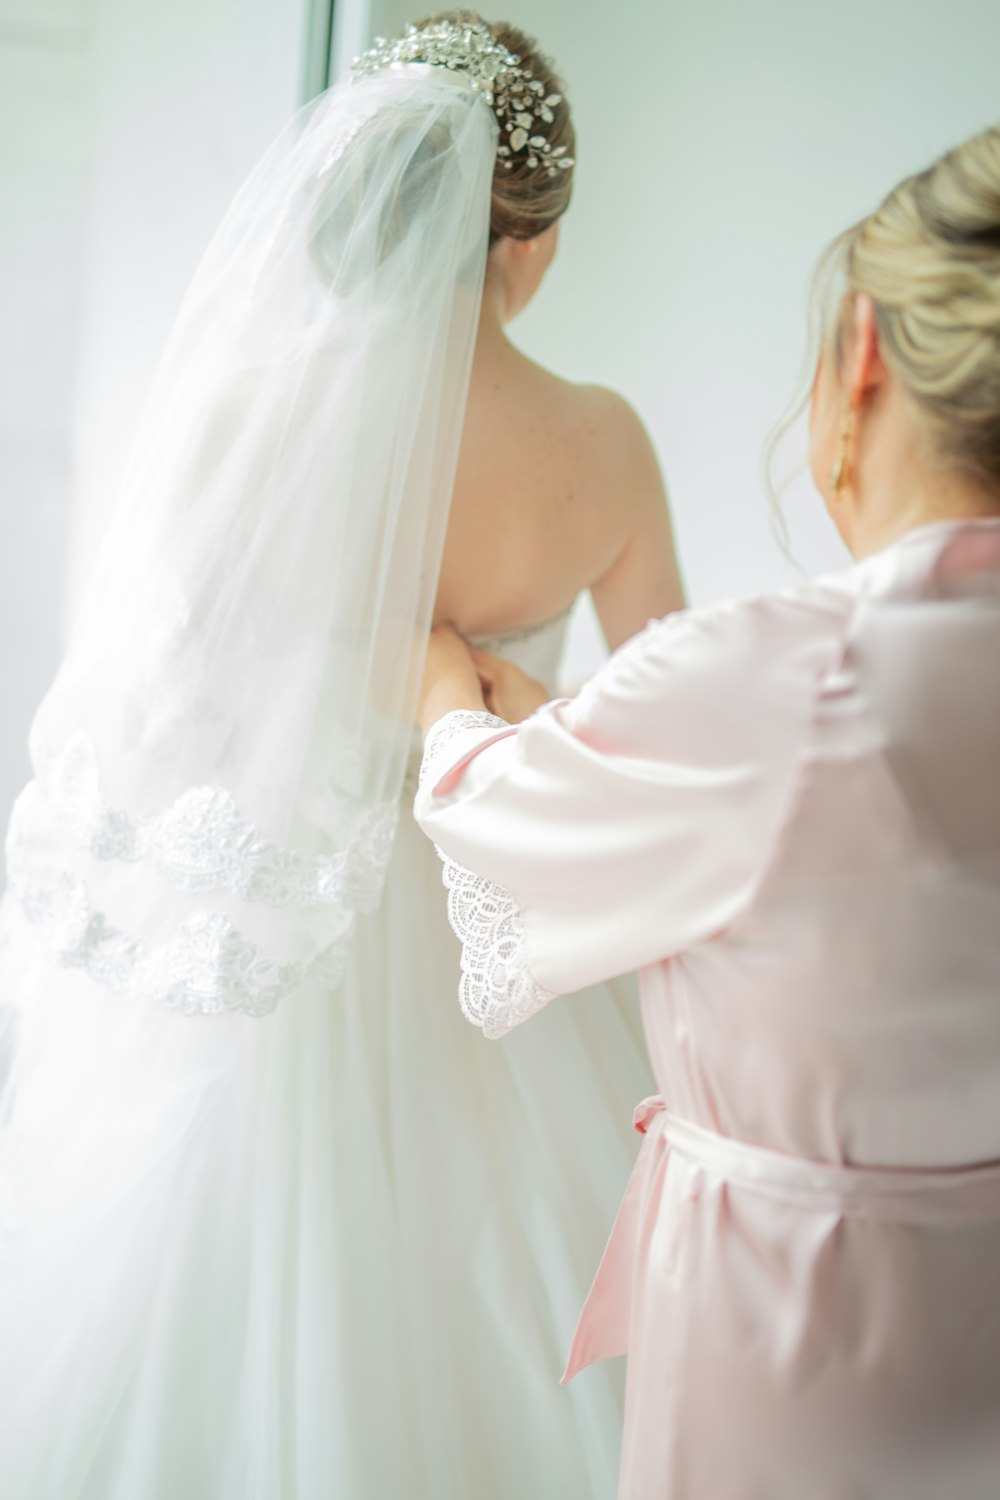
{"points": [[356, 1275], [495, 1169]]}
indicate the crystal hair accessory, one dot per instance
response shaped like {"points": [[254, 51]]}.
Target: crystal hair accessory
{"points": [[520, 102]]}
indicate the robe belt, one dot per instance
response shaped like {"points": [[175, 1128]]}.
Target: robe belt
{"points": [[923, 1195], [939, 1196]]}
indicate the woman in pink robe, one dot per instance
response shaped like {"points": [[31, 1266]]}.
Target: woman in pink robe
{"points": [[785, 813]]}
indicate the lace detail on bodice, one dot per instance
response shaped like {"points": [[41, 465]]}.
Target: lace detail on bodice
{"points": [[501, 641], [497, 990], [536, 649]]}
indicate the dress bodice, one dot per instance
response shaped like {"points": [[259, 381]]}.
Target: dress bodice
{"points": [[536, 649]]}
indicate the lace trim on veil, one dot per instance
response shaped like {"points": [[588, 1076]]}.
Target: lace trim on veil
{"points": [[206, 969], [249, 619], [497, 990], [202, 842]]}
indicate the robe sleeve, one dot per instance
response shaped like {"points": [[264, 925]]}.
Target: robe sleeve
{"points": [[614, 830]]}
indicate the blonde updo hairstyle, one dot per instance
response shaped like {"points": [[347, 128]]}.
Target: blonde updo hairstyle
{"points": [[929, 258], [526, 200]]}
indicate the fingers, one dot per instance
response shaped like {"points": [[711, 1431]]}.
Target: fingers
{"points": [[446, 643], [488, 665]]}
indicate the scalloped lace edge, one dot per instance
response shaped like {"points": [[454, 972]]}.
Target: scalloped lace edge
{"points": [[207, 968], [202, 842], [449, 727], [496, 991]]}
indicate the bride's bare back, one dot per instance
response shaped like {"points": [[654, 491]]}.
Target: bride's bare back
{"points": [[558, 490]]}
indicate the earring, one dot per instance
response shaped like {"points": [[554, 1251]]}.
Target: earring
{"points": [[840, 471]]}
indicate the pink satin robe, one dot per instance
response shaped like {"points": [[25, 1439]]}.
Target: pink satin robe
{"points": [[785, 812]]}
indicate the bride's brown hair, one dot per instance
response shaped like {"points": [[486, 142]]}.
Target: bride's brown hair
{"points": [[526, 200]]}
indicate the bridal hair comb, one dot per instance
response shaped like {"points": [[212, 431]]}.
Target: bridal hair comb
{"points": [[519, 101]]}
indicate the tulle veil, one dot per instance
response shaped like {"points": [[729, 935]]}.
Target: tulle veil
{"points": [[218, 764]]}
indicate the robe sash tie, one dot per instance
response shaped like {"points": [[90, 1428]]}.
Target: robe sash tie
{"points": [[942, 1196]]}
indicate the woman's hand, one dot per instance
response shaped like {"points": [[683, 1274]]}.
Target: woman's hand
{"points": [[510, 693], [450, 677], [456, 675]]}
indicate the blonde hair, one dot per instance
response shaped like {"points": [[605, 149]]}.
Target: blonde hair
{"points": [[526, 200], [929, 258]]}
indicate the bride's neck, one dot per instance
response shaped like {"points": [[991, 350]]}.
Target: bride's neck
{"points": [[493, 313]]}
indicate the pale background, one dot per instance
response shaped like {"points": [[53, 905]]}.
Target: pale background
{"points": [[720, 147]]}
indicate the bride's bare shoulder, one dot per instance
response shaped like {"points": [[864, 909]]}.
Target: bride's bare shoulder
{"points": [[611, 445], [598, 430], [559, 488], [618, 429]]}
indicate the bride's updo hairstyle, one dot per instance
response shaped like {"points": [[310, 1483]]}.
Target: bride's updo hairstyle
{"points": [[533, 166], [929, 258], [527, 199]]}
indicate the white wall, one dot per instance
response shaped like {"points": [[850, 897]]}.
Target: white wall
{"points": [[44, 57], [125, 128], [720, 146], [187, 97]]}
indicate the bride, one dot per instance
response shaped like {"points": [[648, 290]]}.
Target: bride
{"points": [[273, 1223]]}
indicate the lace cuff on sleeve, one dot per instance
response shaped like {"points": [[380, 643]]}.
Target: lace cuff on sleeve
{"points": [[449, 728], [496, 990]]}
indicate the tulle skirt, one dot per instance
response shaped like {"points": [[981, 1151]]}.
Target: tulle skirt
{"points": [[336, 1254]]}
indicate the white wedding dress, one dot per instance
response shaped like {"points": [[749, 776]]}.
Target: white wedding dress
{"points": [[276, 1223], [357, 1265]]}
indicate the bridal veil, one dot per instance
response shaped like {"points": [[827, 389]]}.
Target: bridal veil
{"points": [[218, 765]]}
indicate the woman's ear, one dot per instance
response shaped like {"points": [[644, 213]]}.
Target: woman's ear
{"points": [[865, 368]]}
